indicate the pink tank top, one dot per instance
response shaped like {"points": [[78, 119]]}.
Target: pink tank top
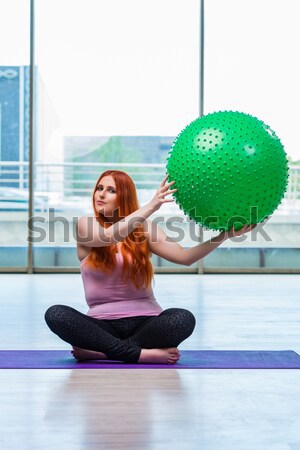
{"points": [[110, 298]]}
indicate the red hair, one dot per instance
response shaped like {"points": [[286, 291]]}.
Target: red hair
{"points": [[135, 248]]}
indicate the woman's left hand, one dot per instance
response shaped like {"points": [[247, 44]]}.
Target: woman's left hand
{"points": [[235, 233]]}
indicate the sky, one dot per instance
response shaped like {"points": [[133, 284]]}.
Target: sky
{"points": [[132, 67]]}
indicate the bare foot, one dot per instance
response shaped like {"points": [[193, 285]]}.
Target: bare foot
{"points": [[82, 354], [159, 355]]}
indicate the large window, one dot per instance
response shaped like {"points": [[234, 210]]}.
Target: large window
{"points": [[250, 66], [14, 132], [116, 82]]}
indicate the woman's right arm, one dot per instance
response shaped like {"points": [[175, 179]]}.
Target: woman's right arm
{"points": [[91, 234]]}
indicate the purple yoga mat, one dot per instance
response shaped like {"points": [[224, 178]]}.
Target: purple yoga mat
{"points": [[190, 359]]}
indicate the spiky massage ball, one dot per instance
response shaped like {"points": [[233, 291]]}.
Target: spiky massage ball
{"points": [[230, 169]]}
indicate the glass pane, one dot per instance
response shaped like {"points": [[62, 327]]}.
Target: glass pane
{"points": [[116, 82], [14, 132], [250, 66]]}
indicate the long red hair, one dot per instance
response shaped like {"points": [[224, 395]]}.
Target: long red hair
{"points": [[137, 266]]}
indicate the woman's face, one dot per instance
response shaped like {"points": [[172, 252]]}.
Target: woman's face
{"points": [[105, 197]]}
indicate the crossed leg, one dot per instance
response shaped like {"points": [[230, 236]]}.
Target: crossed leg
{"points": [[160, 336], [154, 340]]}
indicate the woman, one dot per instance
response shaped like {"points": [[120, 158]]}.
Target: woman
{"points": [[124, 321]]}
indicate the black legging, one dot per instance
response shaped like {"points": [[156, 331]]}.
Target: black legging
{"points": [[121, 339]]}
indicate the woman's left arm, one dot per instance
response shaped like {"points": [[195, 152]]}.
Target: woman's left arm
{"points": [[164, 246]]}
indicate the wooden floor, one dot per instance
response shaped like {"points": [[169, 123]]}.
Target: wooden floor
{"points": [[156, 409]]}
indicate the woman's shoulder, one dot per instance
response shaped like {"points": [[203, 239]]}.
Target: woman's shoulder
{"points": [[86, 226], [83, 226], [86, 220], [82, 251]]}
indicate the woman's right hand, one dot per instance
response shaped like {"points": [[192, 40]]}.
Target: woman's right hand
{"points": [[161, 193]]}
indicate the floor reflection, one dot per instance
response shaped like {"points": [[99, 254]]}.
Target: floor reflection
{"points": [[129, 408]]}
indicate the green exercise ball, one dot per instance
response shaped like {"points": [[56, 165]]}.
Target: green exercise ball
{"points": [[230, 169]]}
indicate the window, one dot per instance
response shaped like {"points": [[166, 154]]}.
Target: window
{"points": [[116, 82], [250, 66], [14, 132]]}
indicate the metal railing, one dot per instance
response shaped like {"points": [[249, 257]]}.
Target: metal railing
{"points": [[64, 184], [78, 179], [70, 178]]}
